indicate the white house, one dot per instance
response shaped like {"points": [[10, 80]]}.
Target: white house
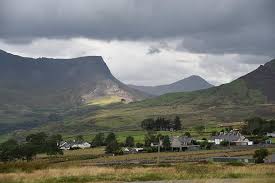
{"points": [[270, 134], [234, 137], [74, 145]]}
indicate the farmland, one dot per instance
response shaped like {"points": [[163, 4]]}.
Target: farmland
{"points": [[92, 165]]}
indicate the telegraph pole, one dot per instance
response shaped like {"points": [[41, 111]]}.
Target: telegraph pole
{"points": [[158, 153]]}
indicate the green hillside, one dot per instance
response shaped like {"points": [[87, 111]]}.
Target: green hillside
{"points": [[231, 102], [249, 96]]}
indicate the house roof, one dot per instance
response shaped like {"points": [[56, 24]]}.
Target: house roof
{"points": [[230, 136], [180, 141]]}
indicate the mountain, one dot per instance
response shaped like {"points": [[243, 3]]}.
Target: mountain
{"points": [[256, 87], [191, 83], [28, 85], [248, 96]]}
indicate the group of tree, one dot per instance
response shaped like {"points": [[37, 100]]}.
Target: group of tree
{"points": [[100, 140], [258, 126], [34, 144], [112, 145], [161, 124]]}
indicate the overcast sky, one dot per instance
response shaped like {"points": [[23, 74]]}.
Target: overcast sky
{"points": [[146, 42]]}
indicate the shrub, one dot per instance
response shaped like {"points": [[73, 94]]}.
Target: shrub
{"points": [[260, 154]]}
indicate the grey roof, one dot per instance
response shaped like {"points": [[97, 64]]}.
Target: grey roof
{"points": [[180, 141], [230, 136]]}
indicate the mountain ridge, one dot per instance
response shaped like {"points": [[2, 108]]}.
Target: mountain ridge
{"points": [[32, 83]]}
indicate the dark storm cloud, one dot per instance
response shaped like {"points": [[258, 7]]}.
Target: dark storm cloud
{"points": [[205, 26]]}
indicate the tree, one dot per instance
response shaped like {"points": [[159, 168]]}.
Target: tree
{"points": [[149, 138], [177, 123], [139, 145], [79, 139], [112, 148], [214, 133], [52, 145], [225, 143], [37, 141], [166, 142], [187, 134], [98, 140], [9, 150], [148, 124], [28, 151], [158, 137], [130, 141], [37, 138], [110, 138], [199, 128], [260, 155]]}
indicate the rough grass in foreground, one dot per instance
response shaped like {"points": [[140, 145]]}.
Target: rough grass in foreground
{"points": [[188, 171]]}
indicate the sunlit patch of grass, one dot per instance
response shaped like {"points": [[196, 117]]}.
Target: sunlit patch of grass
{"points": [[103, 101]]}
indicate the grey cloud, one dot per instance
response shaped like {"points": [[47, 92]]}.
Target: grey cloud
{"points": [[153, 50], [212, 26]]}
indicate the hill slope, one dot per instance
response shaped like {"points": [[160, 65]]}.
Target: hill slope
{"points": [[248, 96], [28, 85], [191, 83], [76, 80]]}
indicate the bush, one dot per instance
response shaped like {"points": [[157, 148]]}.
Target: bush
{"points": [[130, 141], [260, 155], [225, 143], [139, 145]]}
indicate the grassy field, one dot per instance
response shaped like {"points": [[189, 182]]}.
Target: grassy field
{"points": [[254, 173], [92, 165], [139, 135]]}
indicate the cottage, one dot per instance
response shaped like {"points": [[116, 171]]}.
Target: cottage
{"points": [[129, 150], [156, 144], [64, 145], [234, 137], [182, 143], [81, 145]]}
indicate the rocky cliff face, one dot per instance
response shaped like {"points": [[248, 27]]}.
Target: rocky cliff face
{"points": [[58, 82]]}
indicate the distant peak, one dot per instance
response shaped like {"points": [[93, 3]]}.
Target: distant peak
{"points": [[194, 77]]}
